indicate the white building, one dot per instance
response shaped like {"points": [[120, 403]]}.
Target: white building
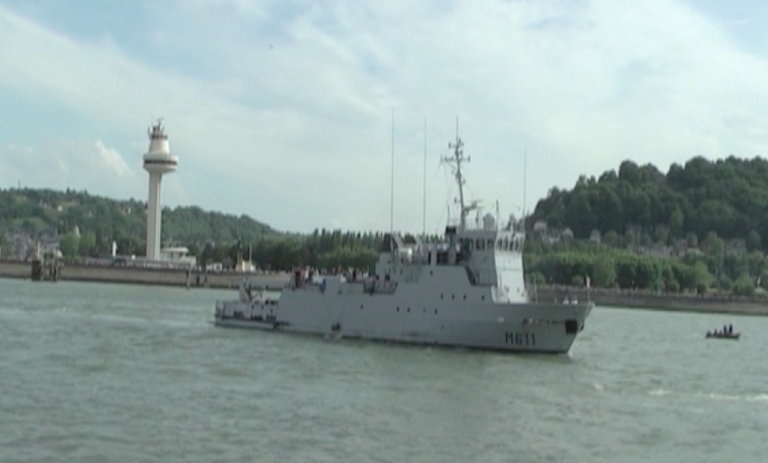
{"points": [[178, 255]]}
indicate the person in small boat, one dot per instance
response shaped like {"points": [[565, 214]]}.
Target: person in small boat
{"points": [[730, 329]]}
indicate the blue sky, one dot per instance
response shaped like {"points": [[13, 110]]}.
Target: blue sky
{"points": [[282, 109]]}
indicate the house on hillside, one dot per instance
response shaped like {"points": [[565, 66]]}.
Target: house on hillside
{"points": [[736, 246], [679, 248], [655, 250], [542, 232], [49, 243], [22, 245], [178, 255], [567, 235], [595, 236]]}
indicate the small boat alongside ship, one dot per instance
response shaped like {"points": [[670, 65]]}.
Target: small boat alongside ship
{"points": [[467, 291]]}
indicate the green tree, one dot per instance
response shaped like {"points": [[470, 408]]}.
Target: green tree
{"points": [[713, 244], [692, 240], [763, 279], [725, 284], [755, 261], [671, 285], [676, 223], [579, 215], [728, 197], [638, 207], [701, 277], [754, 242], [68, 244], [87, 244], [612, 239], [744, 285], [4, 251], [537, 278], [604, 273]]}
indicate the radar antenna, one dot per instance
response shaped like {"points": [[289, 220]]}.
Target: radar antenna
{"points": [[455, 161]]}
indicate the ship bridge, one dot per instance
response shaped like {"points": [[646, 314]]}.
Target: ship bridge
{"points": [[490, 256], [486, 258]]}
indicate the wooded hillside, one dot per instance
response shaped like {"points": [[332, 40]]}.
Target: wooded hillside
{"points": [[728, 197], [702, 203], [37, 212]]}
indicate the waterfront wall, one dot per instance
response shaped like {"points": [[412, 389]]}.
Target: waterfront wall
{"points": [[648, 300], [143, 275], [14, 269]]}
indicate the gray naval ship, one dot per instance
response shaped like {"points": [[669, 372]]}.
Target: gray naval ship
{"points": [[467, 291]]}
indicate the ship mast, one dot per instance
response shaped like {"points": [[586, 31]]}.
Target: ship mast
{"points": [[455, 160]]}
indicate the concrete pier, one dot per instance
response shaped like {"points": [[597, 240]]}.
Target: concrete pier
{"points": [[143, 275]]}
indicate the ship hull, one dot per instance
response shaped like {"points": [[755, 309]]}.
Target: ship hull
{"points": [[456, 322]]}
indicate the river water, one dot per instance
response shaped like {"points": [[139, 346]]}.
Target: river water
{"points": [[120, 373]]}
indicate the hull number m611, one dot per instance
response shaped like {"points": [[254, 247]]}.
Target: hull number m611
{"points": [[519, 339]]}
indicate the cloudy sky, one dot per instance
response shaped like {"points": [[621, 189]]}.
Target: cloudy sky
{"points": [[282, 109]]}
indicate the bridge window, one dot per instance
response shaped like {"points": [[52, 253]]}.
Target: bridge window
{"points": [[480, 244], [506, 244], [490, 243], [500, 245], [160, 162]]}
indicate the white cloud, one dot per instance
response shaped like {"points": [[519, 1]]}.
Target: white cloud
{"points": [[298, 134], [111, 160], [76, 164]]}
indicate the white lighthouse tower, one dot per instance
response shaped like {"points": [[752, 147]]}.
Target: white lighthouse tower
{"points": [[157, 161]]}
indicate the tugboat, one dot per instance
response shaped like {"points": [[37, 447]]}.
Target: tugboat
{"points": [[467, 291]]}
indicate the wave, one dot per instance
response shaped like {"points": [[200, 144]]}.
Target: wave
{"points": [[761, 397]]}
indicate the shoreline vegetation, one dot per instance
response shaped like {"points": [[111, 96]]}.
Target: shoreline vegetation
{"points": [[688, 239]]}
